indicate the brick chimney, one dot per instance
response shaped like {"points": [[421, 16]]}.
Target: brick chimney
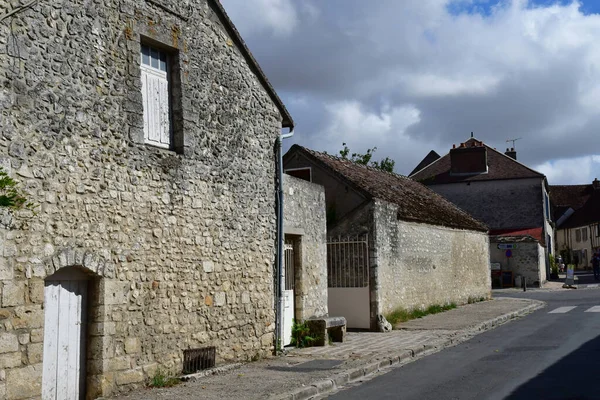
{"points": [[469, 158], [596, 184], [512, 153]]}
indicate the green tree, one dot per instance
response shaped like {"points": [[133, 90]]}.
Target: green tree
{"points": [[10, 194], [386, 164]]}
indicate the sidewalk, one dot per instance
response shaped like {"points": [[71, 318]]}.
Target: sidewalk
{"points": [[316, 371]]}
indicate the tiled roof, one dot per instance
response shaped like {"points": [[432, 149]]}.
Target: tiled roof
{"points": [[573, 196], [500, 166], [415, 201], [429, 158], [587, 214], [535, 233]]}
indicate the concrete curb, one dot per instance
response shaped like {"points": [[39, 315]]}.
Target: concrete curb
{"points": [[372, 367]]}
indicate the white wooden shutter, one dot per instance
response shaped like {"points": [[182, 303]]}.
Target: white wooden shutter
{"points": [[155, 97]]}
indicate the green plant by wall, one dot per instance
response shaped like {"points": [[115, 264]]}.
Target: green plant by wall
{"points": [[402, 315], [301, 335], [553, 264], [10, 194], [161, 379]]}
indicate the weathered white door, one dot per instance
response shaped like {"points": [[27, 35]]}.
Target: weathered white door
{"points": [[288, 294], [64, 339]]}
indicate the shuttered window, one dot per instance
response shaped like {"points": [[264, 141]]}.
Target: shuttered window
{"points": [[155, 96]]}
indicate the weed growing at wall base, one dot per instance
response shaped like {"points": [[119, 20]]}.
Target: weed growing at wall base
{"points": [[161, 380], [402, 315]]}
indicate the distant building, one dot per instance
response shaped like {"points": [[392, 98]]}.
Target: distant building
{"points": [[577, 214], [509, 197]]}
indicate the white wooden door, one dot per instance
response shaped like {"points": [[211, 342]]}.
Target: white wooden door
{"points": [[288, 294], [64, 340]]}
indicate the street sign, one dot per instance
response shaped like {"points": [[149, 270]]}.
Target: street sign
{"points": [[495, 266], [508, 253], [507, 246]]}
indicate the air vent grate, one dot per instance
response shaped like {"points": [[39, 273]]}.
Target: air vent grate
{"points": [[195, 360]]}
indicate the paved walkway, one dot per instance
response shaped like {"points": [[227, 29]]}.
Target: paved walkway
{"points": [[316, 371]]}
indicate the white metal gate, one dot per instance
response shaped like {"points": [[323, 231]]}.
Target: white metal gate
{"points": [[348, 280], [65, 303], [288, 293]]}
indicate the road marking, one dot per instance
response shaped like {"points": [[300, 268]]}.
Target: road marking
{"points": [[592, 285], [593, 309], [562, 310]]}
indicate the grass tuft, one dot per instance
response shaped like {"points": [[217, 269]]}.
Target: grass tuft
{"points": [[162, 380], [402, 315]]}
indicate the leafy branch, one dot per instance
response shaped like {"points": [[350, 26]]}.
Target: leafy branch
{"points": [[386, 164]]}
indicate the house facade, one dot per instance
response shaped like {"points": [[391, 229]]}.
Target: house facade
{"points": [[577, 212], [510, 198], [408, 247], [143, 133]]}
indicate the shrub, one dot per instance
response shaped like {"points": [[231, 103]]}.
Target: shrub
{"points": [[301, 335]]}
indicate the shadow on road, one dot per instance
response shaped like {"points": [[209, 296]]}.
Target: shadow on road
{"points": [[574, 377]]}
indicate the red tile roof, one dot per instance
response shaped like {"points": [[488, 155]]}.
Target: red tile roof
{"points": [[536, 233], [415, 201], [500, 166]]}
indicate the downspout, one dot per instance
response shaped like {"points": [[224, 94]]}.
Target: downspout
{"points": [[280, 240]]}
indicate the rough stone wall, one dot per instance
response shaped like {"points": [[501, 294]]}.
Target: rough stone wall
{"points": [[181, 242], [420, 265], [305, 225], [528, 260], [501, 204]]}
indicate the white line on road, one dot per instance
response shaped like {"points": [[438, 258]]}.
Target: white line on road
{"points": [[562, 310], [593, 309], [594, 285]]}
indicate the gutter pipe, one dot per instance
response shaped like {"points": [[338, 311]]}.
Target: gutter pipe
{"points": [[280, 240]]}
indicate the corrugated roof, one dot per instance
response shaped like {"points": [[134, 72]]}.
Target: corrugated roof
{"points": [[415, 201], [500, 166]]}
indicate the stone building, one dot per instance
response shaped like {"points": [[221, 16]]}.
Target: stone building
{"points": [[306, 253], [143, 132], [408, 247], [577, 213], [496, 189]]}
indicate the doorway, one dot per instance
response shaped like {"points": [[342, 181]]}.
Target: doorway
{"points": [[65, 323]]}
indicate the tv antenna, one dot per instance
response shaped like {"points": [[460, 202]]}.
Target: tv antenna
{"points": [[513, 141]]}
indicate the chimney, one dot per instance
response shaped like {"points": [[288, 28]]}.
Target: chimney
{"points": [[468, 160], [596, 184], [512, 153]]}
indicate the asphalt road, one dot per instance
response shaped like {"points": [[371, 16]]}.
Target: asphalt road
{"points": [[553, 353]]}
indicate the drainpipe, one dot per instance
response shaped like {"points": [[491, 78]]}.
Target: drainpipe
{"points": [[280, 239]]}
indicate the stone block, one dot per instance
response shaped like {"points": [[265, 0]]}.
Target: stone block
{"points": [[10, 360], [23, 383], [37, 335], [130, 376], [6, 269], [9, 342], [113, 292], [35, 352], [36, 291], [220, 299], [13, 293], [132, 346], [208, 266], [118, 363], [28, 317]]}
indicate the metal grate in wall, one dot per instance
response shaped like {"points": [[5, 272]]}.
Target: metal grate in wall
{"points": [[195, 360]]}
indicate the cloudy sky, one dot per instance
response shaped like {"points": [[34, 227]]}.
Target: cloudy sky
{"points": [[409, 76]]}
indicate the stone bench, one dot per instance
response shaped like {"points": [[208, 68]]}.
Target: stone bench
{"points": [[324, 328]]}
